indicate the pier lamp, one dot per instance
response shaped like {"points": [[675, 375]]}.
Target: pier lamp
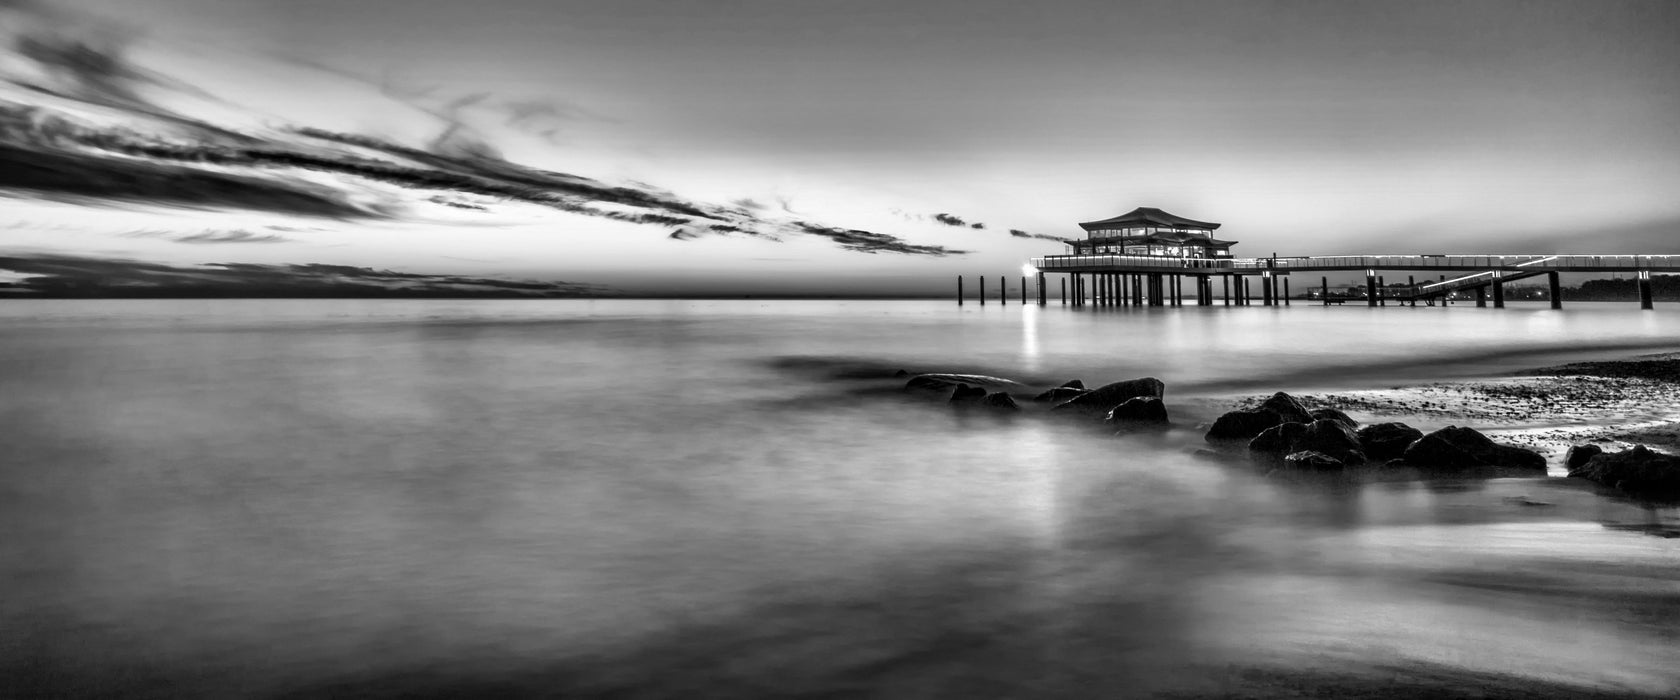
{"points": [[1028, 270]]}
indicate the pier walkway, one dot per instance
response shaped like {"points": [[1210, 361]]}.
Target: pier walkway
{"points": [[1113, 279]]}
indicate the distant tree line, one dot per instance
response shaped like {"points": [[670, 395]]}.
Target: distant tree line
{"points": [[1663, 288]]}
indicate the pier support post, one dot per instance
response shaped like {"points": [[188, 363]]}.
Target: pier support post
{"points": [[1370, 288], [1498, 293], [1064, 291], [1481, 296], [1382, 291], [1324, 290], [1554, 290], [1286, 291], [1411, 284], [981, 285], [1268, 290], [959, 290], [1645, 297], [1003, 291], [1225, 288], [1041, 290]]}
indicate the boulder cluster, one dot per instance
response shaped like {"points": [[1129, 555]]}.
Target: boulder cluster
{"points": [[1637, 470], [1129, 404], [1283, 430]]}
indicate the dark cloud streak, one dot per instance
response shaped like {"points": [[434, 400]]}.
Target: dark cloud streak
{"points": [[68, 276]]}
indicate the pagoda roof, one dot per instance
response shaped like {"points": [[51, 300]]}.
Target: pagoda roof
{"points": [[1171, 237], [1149, 216]]}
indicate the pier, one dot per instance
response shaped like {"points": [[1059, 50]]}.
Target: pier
{"points": [[1480, 273], [1147, 257]]}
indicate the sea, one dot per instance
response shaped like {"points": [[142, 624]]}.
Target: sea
{"points": [[734, 498]]}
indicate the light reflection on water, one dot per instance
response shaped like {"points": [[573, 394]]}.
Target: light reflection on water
{"points": [[651, 499]]}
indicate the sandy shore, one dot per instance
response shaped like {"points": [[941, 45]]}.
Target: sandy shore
{"points": [[1613, 403]]}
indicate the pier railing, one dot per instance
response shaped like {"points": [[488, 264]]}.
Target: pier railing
{"points": [[1564, 263]]}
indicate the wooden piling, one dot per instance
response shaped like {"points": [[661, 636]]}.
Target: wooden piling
{"points": [[1370, 289], [1003, 291], [1481, 296], [1554, 290], [1645, 296], [1041, 291], [1324, 290], [1286, 291], [959, 290], [1064, 291], [1498, 294], [1412, 283]]}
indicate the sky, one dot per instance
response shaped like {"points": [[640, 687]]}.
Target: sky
{"points": [[773, 147]]}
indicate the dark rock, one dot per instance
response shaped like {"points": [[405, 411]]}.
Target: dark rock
{"points": [[1638, 470], [1578, 456], [1385, 441], [1287, 407], [1455, 448], [1312, 460], [1141, 409], [946, 382], [1072, 384], [1242, 425], [999, 401], [1104, 398], [1437, 452], [1330, 438], [967, 394], [1278, 440], [1337, 416], [1060, 394]]}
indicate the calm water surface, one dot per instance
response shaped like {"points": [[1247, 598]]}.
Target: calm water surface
{"points": [[670, 499]]}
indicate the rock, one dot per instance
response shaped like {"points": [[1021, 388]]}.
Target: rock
{"points": [[1312, 460], [1242, 425], [1060, 394], [1278, 440], [946, 382], [901, 373], [1287, 407], [1140, 409], [1578, 456], [1331, 438], [1104, 398], [1337, 416], [966, 394], [1072, 384], [1455, 448], [1637, 470], [1436, 452], [999, 401], [1385, 441]]}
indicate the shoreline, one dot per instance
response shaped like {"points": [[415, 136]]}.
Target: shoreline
{"points": [[1615, 403]]}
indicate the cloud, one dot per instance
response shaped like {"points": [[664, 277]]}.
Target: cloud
{"points": [[1018, 233], [69, 276], [234, 236], [77, 177], [168, 159], [870, 242]]}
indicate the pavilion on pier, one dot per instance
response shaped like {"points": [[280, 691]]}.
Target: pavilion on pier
{"points": [[1151, 232]]}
